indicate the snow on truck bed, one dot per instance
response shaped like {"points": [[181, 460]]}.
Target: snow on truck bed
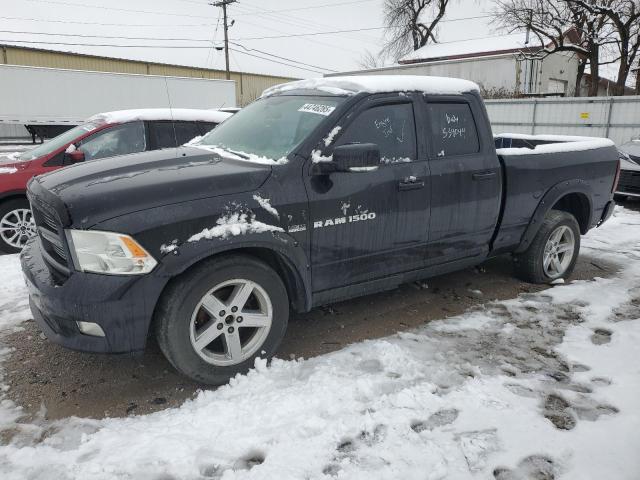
{"points": [[545, 385], [183, 114], [553, 144], [351, 84]]}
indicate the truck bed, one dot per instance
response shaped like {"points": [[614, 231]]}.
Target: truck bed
{"points": [[537, 168]]}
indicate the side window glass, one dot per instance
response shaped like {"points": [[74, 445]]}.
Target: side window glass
{"points": [[186, 131], [162, 135], [452, 129], [118, 140], [391, 127], [206, 127]]}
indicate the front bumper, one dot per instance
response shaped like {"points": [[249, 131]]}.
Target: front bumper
{"points": [[122, 306]]}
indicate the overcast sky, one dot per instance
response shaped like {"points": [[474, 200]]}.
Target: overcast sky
{"points": [[194, 23]]}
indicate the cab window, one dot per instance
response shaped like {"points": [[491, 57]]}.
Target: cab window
{"points": [[391, 127], [452, 130]]}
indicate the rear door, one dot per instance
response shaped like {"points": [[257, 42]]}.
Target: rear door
{"points": [[466, 179], [370, 224]]}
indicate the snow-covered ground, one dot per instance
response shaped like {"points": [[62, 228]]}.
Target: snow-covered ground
{"points": [[542, 386]]}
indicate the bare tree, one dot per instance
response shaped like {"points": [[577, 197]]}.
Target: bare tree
{"points": [[559, 26], [407, 24], [370, 60], [624, 15]]}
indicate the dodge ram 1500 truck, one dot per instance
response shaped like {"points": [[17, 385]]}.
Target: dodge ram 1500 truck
{"points": [[319, 191]]}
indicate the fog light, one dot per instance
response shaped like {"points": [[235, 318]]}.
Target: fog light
{"points": [[90, 328]]}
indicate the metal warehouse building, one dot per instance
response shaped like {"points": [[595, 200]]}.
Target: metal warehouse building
{"points": [[248, 85]]}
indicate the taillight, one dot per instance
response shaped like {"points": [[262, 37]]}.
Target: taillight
{"points": [[616, 178]]}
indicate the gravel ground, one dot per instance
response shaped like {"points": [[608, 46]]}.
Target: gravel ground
{"points": [[54, 382]]}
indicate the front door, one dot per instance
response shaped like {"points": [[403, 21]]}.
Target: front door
{"points": [[367, 225]]}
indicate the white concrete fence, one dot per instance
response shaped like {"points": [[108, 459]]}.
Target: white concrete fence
{"points": [[617, 118]]}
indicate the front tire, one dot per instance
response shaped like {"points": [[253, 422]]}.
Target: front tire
{"points": [[554, 251], [16, 225], [215, 320]]}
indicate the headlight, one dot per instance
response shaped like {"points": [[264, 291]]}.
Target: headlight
{"points": [[107, 252]]}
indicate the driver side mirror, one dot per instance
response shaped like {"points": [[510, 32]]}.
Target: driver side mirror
{"points": [[76, 156], [355, 157]]}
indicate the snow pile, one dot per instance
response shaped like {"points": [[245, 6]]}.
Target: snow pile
{"points": [[563, 144], [350, 84], [242, 156], [8, 170], [181, 114], [194, 140], [233, 225], [266, 204], [329, 138], [541, 386]]}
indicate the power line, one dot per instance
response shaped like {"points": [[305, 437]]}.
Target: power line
{"points": [[149, 12], [8, 41], [309, 34], [315, 69], [273, 61], [282, 58], [108, 24], [337, 4]]}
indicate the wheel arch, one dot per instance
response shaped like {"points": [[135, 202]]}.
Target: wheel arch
{"points": [[288, 265], [571, 196], [13, 195]]}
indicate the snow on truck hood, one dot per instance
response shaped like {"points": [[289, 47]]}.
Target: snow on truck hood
{"points": [[182, 114], [351, 84]]}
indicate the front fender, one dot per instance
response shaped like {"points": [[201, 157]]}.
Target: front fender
{"points": [[281, 244], [547, 202]]}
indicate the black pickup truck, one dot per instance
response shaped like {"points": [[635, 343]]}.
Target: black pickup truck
{"points": [[319, 191]]}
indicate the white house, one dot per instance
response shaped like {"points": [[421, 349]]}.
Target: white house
{"points": [[504, 65]]}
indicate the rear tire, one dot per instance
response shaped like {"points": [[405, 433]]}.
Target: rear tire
{"points": [[553, 252], [213, 321], [16, 225]]}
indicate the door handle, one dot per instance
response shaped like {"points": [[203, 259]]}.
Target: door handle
{"points": [[410, 185], [483, 176]]}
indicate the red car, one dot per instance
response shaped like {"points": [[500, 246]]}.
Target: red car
{"points": [[103, 135]]}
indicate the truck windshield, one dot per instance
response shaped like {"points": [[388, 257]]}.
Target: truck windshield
{"points": [[271, 127], [60, 141]]}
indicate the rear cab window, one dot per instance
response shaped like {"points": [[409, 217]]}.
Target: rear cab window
{"points": [[451, 129], [391, 127]]}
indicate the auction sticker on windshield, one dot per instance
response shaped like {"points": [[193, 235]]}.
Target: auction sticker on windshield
{"points": [[317, 108]]}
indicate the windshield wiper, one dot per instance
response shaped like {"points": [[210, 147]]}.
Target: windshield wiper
{"points": [[240, 154]]}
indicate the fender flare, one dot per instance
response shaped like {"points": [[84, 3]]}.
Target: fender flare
{"points": [[549, 199], [283, 246]]}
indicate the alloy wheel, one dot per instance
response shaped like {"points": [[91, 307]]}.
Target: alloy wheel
{"points": [[558, 252], [231, 322], [16, 227]]}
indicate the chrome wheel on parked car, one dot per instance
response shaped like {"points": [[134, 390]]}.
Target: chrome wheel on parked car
{"points": [[16, 227], [558, 252], [231, 322]]}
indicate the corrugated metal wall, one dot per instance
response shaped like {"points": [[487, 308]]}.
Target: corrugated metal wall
{"points": [[248, 85], [617, 118]]}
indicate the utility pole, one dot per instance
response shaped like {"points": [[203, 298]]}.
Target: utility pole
{"points": [[223, 4]]}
